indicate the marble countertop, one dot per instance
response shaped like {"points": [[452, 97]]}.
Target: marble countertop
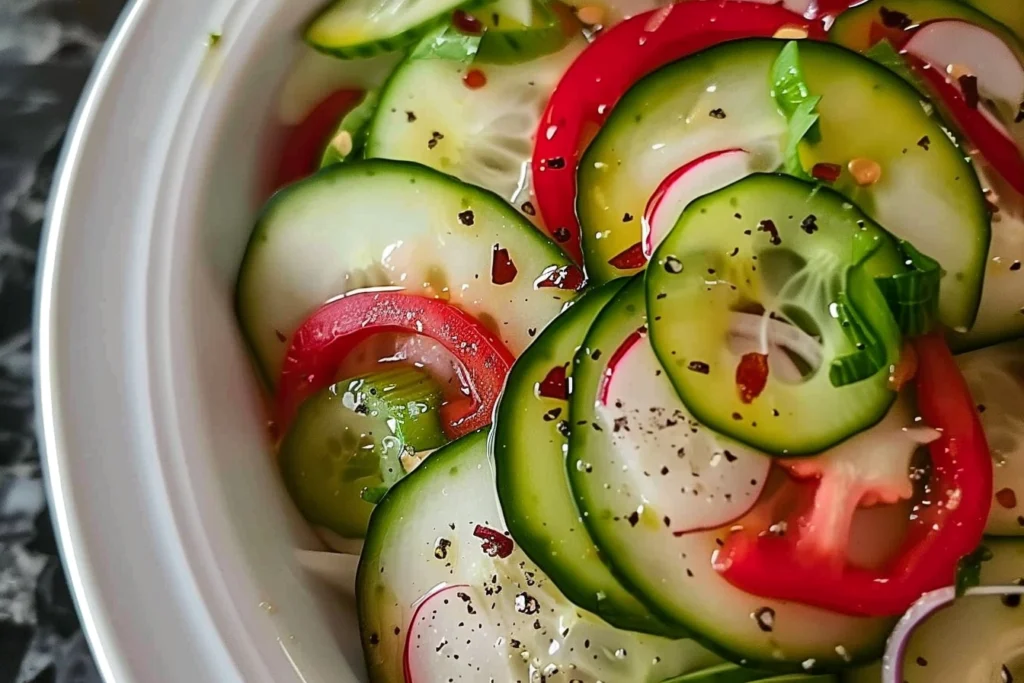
{"points": [[47, 49]]}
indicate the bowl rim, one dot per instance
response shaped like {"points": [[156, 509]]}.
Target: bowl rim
{"points": [[50, 427], [145, 618]]}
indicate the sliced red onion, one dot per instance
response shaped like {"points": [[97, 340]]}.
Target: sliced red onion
{"points": [[929, 604]]}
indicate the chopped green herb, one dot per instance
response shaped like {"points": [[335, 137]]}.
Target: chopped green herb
{"points": [[800, 107]]}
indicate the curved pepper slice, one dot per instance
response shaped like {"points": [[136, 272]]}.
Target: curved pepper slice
{"points": [[947, 525], [332, 332], [603, 73]]}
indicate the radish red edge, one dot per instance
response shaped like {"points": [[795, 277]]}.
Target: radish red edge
{"points": [[701, 176], [991, 138], [604, 391], [411, 629]]}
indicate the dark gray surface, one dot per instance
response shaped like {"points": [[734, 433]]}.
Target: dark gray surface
{"points": [[47, 48]]}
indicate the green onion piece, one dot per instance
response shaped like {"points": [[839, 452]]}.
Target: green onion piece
{"points": [[870, 356], [913, 295], [792, 94], [885, 54]]}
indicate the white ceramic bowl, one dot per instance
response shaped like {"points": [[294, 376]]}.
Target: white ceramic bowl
{"points": [[180, 547]]}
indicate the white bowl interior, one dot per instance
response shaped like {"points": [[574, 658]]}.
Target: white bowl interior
{"points": [[188, 559]]}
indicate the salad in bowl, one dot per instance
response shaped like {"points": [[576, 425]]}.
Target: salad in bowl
{"points": [[636, 342]]}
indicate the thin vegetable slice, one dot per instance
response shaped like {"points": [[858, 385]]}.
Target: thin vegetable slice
{"points": [[530, 436], [345, 448], [329, 335], [801, 255], [809, 565], [363, 28], [592, 87]]}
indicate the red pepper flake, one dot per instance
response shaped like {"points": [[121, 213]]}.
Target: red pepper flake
{"points": [[495, 543], [634, 518], [564, 277], [1015, 265], [467, 217], [467, 23], [529, 209], [280, 336], [969, 87], [717, 114], [562, 234], [893, 19], [630, 259], [555, 384], [1020, 114], [474, 79], [1007, 498], [503, 270], [828, 173], [555, 163], [924, 143], [768, 226], [751, 376], [552, 414]]}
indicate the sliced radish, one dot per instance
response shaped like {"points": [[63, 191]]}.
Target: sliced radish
{"points": [[943, 53], [451, 638], [953, 46], [695, 179], [667, 452], [993, 141]]}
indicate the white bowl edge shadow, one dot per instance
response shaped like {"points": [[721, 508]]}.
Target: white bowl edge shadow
{"points": [[178, 542]]}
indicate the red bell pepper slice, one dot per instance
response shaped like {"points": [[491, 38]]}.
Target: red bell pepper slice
{"points": [[946, 526], [603, 73], [305, 142], [332, 332]]}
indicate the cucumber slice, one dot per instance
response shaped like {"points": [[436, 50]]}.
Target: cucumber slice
{"points": [[723, 673], [675, 115], [976, 639], [363, 28], [389, 223], [674, 574], [349, 138], [1001, 314], [853, 28], [484, 135], [529, 443], [349, 439], [800, 252], [424, 535], [1008, 13], [995, 376], [512, 39]]}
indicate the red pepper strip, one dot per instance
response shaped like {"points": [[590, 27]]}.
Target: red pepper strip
{"points": [[995, 146], [610, 66], [305, 143], [329, 335], [946, 526]]}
